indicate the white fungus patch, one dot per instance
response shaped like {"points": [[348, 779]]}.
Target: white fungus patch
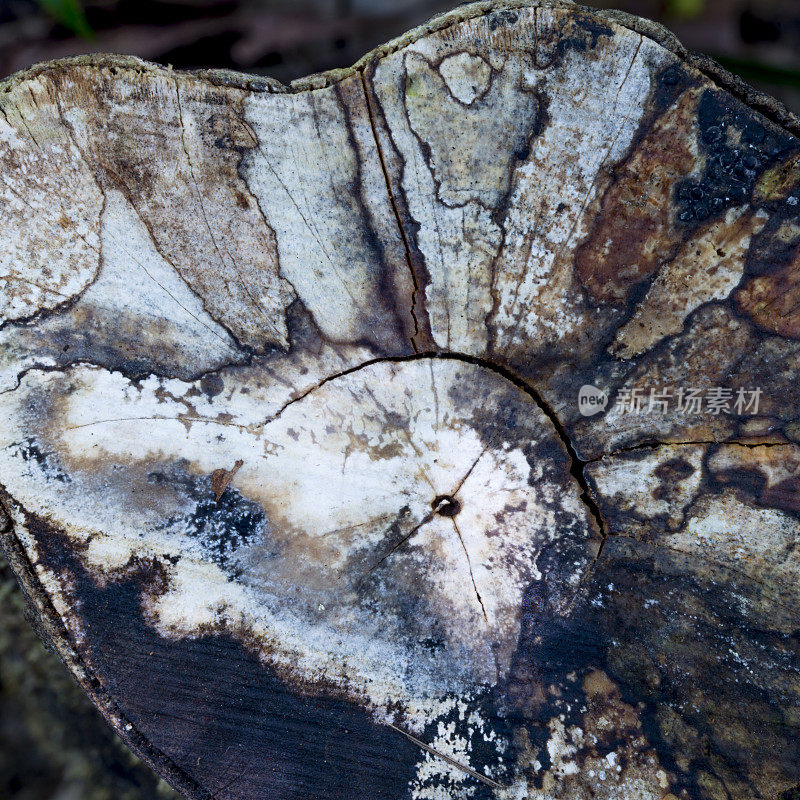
{"points": [[346, 480]]}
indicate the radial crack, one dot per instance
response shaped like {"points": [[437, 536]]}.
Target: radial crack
{"points": [[471, 573], [396, 211]]}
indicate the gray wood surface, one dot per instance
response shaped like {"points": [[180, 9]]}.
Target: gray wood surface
{"points": [[298, 480]]}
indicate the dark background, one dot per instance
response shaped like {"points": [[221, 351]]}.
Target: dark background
{"points": [[53, 745], [758, 39]]}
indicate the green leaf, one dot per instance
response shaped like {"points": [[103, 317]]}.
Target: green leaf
{"points": [[70, 14], [685, 9]]}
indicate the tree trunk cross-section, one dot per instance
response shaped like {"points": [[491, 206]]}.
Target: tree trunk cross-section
{"points": [[295, 472]]}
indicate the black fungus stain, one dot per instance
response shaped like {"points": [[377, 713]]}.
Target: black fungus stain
{"points": [[225, 719], [212, 385], [502, 19], [668, 84], [582, 34], [714, 710], [221, 526], [83, 333], [671, 474], [737, 145], [29, 450], [776, 245], [720, 709], [485, 756]]}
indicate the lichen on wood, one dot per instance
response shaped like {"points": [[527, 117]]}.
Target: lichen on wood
{"points": [[299, 483]]}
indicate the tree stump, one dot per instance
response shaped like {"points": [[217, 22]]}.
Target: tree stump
{"points": [[422, 430]]}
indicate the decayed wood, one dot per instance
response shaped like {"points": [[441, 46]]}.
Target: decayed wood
{"points": [[298, 481]]}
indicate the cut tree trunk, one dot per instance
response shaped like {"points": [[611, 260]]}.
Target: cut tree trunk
{"points": [[422, 430]]}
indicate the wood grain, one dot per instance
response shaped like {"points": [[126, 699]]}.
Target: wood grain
{"points": [[297, 479]]}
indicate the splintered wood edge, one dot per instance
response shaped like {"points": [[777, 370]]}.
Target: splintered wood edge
{"points": [[46, 619]]}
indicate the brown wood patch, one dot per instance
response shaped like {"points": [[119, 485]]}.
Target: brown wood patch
{"points": [[422, 430]]}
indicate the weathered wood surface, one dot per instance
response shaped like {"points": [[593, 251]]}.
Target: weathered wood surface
{"points": [[291, 449]]}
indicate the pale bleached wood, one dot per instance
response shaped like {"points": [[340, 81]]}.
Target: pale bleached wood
{"points": [[298, 482]]}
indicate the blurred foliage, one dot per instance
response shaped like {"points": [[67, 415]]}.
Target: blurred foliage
{"points": [[684, 9], [70, 14]]}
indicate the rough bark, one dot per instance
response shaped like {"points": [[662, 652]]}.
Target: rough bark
{"points": [[292, 452]]}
